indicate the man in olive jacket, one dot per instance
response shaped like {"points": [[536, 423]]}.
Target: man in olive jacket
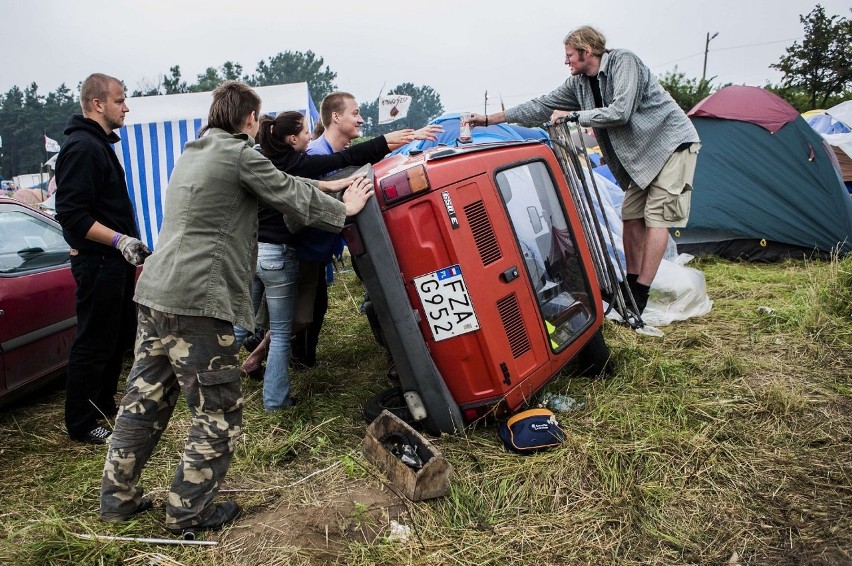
{"points": [[193, 290]]}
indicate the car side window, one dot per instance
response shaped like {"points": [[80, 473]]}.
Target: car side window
{"points": [[547, 243], [29, 243]]}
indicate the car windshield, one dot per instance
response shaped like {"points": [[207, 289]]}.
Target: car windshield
{"points": [[549, 249], [29, 243]]}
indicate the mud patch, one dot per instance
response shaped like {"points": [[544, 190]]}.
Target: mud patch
{"points": [[356, 512]]}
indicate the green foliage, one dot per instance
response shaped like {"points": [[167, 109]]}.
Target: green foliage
{"points": [[425, 106], [294, 67], [803, 101], [25, 117], [172, 84], [820, 67], [686, 92], [213, 77]]}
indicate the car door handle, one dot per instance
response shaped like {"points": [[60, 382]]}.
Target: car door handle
{"points": [[510, 274]]}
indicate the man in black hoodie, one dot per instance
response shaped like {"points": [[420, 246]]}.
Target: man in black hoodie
{"points": [[94, 209]]}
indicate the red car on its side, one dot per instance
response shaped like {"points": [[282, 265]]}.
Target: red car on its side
{"points": [[38, 321], [480, 275]]}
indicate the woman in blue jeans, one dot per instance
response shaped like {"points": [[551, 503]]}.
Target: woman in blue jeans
{"points": [[284, 140]]}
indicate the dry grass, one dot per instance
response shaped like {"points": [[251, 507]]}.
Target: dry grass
{"points": [[730, 435]]}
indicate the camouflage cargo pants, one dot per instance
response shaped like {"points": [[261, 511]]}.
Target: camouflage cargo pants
{"points": [[176, 353]]}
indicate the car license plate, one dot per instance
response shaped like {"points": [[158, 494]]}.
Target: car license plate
{"points": [[446, 302]]}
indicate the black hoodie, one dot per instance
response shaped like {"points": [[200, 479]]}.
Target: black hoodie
{"points": [[90, 186]]}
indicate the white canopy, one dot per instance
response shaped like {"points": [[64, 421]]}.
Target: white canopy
{"points": [[156, 130], [171, 107]]}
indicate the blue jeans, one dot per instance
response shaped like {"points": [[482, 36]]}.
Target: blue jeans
{"points": [[278, 273]]}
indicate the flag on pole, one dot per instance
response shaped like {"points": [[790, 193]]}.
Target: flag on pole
{"points": [[51, 145], [393, 107]]}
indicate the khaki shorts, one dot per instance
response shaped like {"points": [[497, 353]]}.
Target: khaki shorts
{"points": [[665, 203]]}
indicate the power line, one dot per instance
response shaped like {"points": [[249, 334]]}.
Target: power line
{"points": [[725, 49]]}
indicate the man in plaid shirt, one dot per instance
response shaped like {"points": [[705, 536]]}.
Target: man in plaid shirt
{"points": [[648, 142]]}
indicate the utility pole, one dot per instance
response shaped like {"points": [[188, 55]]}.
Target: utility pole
{"points": [[706, 49]]}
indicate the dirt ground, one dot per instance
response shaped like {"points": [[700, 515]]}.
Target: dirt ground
{"points": [[360, 511]]}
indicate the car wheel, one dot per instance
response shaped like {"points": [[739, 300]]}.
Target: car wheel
{"points": [[594, 358], [390, 399]]}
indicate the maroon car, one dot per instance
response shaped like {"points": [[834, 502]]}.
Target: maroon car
{"points": [[37, 304]]}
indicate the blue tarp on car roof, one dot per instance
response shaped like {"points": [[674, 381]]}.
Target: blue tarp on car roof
{"points": [[495, 133]]}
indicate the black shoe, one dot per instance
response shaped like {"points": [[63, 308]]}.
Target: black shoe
{"points": [[145, 504], [257, 374], [302, 363], [98, 435], [224, 513]]}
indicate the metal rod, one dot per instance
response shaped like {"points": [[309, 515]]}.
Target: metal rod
{"points": [[584, 199], [150, 540]]}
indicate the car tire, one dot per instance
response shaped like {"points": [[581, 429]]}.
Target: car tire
{"points": [[594, 358], [390, 399]]}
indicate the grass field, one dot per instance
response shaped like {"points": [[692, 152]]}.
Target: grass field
{"points": [[727, 441]]}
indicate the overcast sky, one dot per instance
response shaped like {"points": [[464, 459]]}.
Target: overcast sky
{"points": [[511, 49]]}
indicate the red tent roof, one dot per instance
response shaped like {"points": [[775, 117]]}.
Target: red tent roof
{"points": [[747, 104]]}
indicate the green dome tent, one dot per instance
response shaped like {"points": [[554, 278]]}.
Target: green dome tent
{"points": [[766, 186]]}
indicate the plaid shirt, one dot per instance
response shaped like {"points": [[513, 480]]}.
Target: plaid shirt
{"points": [[639, 125]]}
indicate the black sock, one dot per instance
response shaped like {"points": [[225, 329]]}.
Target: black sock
{"points": [[640, 295], [629, 283]]}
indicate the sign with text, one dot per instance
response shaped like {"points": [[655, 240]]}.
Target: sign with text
{"points": [[393, 107]]}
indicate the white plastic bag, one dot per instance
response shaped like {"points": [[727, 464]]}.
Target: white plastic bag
{"points": [[677, 293]]}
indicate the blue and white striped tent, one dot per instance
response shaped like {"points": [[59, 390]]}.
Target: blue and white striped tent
{"points": [[156, 130]]}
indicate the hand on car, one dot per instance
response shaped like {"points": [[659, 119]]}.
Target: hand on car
{"points": [[134, 251], [335, 186], [357, 195], [565, 115]]}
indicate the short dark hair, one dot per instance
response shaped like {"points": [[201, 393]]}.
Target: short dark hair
{"points": [[273, 132], [95, 86], [334, 102], [233, 102]]}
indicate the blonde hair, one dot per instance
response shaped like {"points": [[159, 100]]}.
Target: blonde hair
{"points": [[587, 38]]}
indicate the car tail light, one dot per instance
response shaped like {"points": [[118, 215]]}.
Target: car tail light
{"points": [[473, 413], [403, 184], [353, 239]]}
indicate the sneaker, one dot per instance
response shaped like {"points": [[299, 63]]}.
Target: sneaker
{"points": [[145, 504], [97, 435], [223, 514]]}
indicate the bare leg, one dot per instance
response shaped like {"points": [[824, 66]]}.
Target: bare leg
{"points": [[656, 240], [634, 244]]}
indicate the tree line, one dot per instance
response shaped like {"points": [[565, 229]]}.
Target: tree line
{"points": [[817, 73], [26, 116]]}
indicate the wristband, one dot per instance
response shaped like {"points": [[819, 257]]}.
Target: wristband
{"points": [[115, 239]]}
